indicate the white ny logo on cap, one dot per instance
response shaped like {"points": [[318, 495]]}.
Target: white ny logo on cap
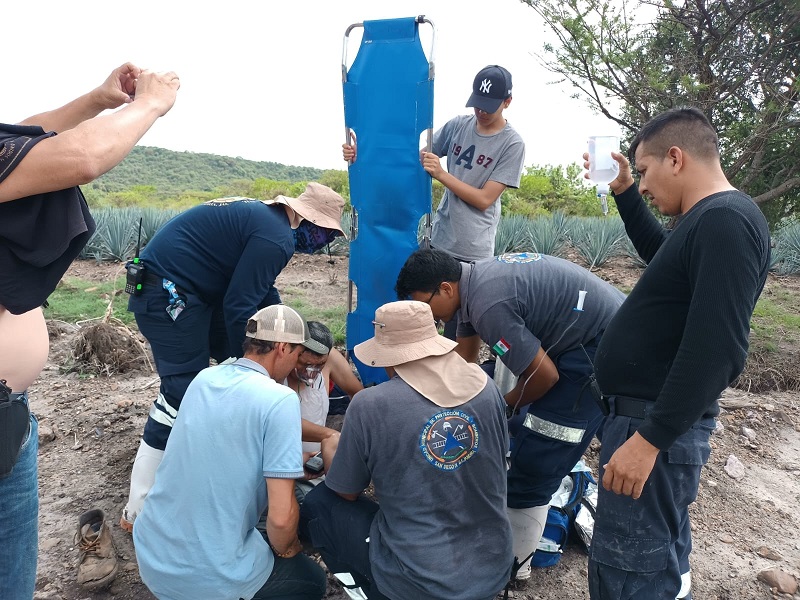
{"points": [[486, 85]]}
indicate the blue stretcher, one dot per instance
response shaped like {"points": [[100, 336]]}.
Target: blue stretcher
{"points": [[388, 104]]}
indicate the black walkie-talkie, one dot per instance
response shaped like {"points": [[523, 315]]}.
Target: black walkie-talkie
{"points": [[134, 278]]}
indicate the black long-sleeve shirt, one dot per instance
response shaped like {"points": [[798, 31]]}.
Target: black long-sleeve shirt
{"points": [[681, 337]]}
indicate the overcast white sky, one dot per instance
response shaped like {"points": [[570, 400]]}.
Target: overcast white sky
{"points": [[262, 79]]}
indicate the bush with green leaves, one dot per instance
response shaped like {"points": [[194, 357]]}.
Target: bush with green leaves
{"points": [[549, 234], [513, 235]]}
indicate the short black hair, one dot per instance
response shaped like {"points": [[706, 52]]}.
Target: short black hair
{"points": [[261, 347], [424, 271], [685, 127], [254, 346]]}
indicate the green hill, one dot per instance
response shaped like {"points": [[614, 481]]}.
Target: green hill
{"points": [[171, 172]]}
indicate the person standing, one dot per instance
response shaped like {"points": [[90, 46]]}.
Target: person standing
{"points": [[544, 317], [44, 224], [485, 155], [432, 440], [206, 271], [234, 451], [676, 343]]}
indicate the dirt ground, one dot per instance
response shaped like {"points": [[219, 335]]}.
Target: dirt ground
{"points": [[741, 526]]}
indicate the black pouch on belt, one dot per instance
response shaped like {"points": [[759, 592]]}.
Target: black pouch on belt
{"points": [[14, 424]]}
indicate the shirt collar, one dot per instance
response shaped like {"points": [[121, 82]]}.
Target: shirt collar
{"points": [[251, 364]]}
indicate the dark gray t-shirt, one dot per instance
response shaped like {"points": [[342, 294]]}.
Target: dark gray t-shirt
{"points": [[523, 301], [459, 229], [440, 478]]}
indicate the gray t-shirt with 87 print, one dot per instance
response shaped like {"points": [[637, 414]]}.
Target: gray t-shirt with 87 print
{"points": [[461, 230]]}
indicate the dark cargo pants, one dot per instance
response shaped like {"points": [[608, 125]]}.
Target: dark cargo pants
{"points": [[641, 547]]}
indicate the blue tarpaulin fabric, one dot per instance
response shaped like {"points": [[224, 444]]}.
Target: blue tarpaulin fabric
{"points": [[388, 103]]}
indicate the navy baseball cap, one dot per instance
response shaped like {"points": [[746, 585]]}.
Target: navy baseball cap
{"points": [[492, 85]]}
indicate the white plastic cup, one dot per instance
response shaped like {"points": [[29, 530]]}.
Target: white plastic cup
{"points": [[602, 167]]}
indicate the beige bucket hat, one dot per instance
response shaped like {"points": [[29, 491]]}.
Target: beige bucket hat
{"points": [[318, 204], [406, 339]]}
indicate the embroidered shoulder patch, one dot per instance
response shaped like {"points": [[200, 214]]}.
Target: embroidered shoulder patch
{"points": [[449, 439], [519, 257], [501, 347]]}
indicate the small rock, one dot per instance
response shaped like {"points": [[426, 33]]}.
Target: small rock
{"points": [[768, 407], [734, 467], [748, 433], [711, 483], [768, 553], [783, 416], [46, 434], [123, 404], [726, 538], [49, 543], [718, 428], [778, 579]]}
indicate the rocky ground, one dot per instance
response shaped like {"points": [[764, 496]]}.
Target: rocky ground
{"points": [[745, 520]]}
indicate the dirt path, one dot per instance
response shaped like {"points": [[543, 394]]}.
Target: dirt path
{"points": [[741, 526]]}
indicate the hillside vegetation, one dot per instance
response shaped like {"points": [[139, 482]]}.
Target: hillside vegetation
{"points": [[151, 175]]}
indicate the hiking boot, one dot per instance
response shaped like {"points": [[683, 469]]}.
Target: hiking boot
{"points": [[97, 565]]}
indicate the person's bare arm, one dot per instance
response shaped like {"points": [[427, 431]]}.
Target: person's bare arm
{"points": [[468, 347], [83, 153], [534, 382], [312, 432], [342, 374], [282, 517], [116, 90], [480, 198]]}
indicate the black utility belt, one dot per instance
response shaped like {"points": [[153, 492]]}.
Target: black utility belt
{"points": [[636, 408], [624, 406]]}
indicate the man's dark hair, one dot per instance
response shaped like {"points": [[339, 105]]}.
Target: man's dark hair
{"points": [[254, 346], [424, 271], [320, 332], [685, 127]]}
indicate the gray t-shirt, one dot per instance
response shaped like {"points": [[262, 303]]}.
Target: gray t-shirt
{"points": [[461, 230], [440, 478], [520, 302]]}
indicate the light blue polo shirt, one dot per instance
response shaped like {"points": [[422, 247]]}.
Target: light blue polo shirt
{"points": [[196, 537]]}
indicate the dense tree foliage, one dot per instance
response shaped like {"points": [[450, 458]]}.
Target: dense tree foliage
{"points": [[737, 60]]}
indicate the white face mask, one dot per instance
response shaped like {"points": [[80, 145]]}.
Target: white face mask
{"points": [[308, 374]]}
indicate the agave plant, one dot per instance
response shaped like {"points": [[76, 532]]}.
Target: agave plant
{"points": [[598, 240], [513, 235], [548, 235], [786, 253], [116, 237]]}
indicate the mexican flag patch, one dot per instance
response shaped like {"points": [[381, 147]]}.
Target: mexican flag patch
{"points": [[501, 347]]}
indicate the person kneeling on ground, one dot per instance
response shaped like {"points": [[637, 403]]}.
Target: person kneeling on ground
{"points": [[317, 365], [416, 437], [196, 536]]}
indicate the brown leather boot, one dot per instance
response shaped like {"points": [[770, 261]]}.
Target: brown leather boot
{"points": [[97, 566]]}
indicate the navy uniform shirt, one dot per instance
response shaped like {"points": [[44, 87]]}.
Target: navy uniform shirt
{"points": [[228, 253]]}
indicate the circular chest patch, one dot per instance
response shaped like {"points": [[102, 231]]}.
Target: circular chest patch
{"points": [[449, 439], [519, 257]]}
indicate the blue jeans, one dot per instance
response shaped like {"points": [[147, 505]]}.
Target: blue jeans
{"points": [[296, 578], [19, 518]]}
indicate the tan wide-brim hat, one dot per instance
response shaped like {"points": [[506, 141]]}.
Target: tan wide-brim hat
{"points": [[404, 331], [406, 339], [318, 204]]}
